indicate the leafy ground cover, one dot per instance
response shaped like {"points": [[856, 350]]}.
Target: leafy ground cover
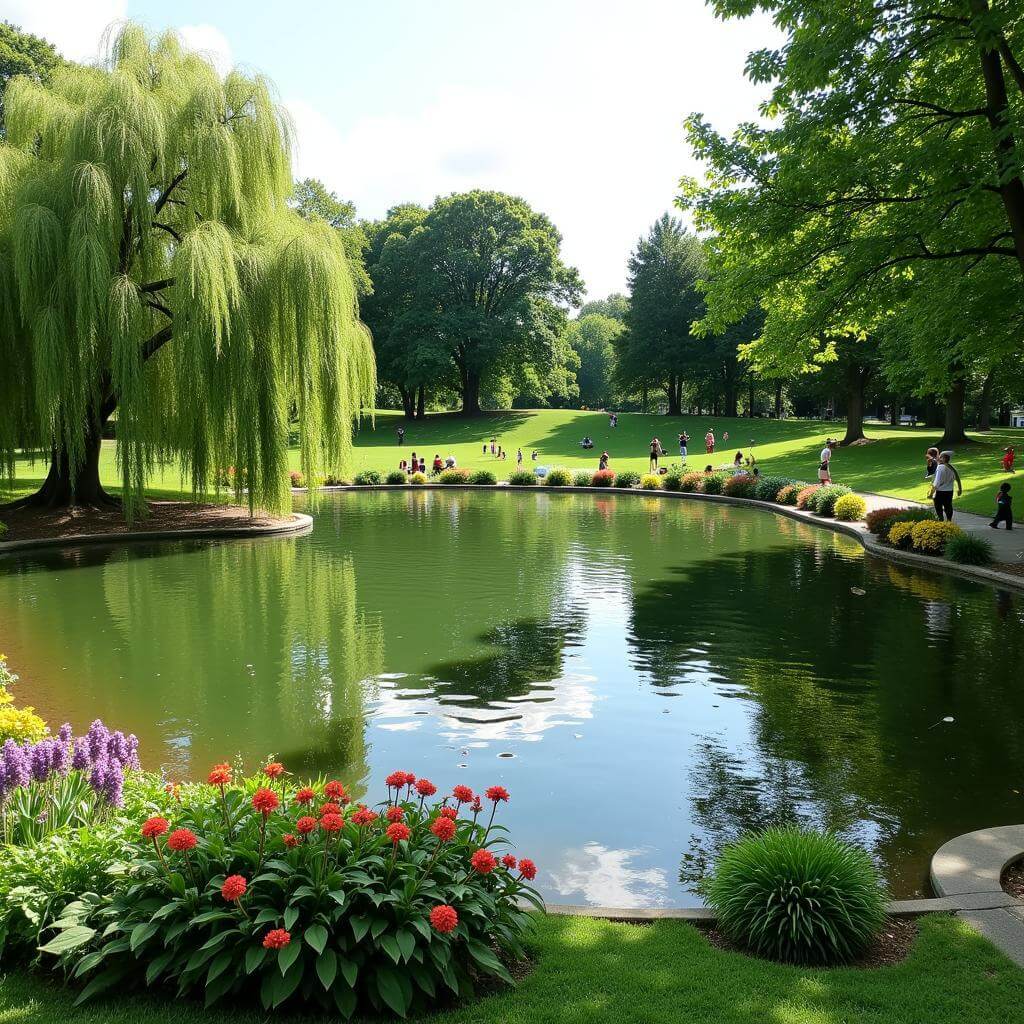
{"points": [[591, 972], [892, 464]]}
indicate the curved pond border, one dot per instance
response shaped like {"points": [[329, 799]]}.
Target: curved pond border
{"points": [[297, 525], [868, 541]]}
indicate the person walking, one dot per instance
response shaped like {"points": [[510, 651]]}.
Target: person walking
{"points": [[655, 452], [602, 463], [1004, 507], [519, 458], [1008, 456], [825, 462], [401, 436], [946, 478], [709, 441], [684, 440], [931, 462]]}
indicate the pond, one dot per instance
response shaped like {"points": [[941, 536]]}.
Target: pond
{"points": [[648, 677]]}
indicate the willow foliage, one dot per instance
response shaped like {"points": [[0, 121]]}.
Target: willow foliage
{"points": [[149, 262]]}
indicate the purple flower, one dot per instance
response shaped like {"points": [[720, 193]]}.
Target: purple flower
{"points": [[117, 748], [113, 784], [60, 756], [98, 737], [15, 766], [133, 752], [65, 733], [40, 761], [98, 775], [80, 756]]}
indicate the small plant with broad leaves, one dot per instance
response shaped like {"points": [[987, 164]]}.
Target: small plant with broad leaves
{"points": [[335, 480], [797, 896], [367, 478], [299, 896]]}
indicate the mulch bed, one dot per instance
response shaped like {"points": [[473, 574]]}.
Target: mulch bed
{"points": [[1013, 880], [37, 524], [891, 947]]}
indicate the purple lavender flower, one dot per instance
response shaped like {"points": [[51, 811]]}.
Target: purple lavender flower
{"points": [[40, 761], [16, 766], [60, 756], [80, 756], [113, 784], [98, 775], [98, 737], [133, 752], [117, 748], [65, 733]]}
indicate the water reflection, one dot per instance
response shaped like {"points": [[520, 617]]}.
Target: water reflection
{"points": [[607, 877]]}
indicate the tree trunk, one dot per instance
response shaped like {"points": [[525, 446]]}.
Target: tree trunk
{"points": [[470, 393], [407, 402], [674, 392], [985, 402], [954, 432], [731, 401], [894, 411], [933, 415], [778, 400], [421, 401], [856, 381], [1004, 414]]}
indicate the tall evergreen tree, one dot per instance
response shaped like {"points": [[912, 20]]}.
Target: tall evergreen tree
{"points": [[150, 264]]}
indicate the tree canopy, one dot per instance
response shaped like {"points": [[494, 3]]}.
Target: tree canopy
{"points": [[22, 53], [150, 264], [593, 336]]}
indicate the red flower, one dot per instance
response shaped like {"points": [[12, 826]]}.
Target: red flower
{"points": [[305, 796], [425, 787], [305, 825], [509, 861], [476, 807], [395, 814], [496, 793], [364, 817], [153, 827], [449, 812], [265, 801], [233, 888], [410, 778], [483, 862], [274, 770], [220, 775], [397, 832], [444, 918], [463, 794], [181, 839], [332, 822], [396, 780], [330, 809], [276, 939], [444, 829], [289, 840], [334, 790], [528, 869]]}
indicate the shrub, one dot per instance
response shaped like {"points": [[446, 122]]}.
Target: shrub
{"points": [[602, 478], [650, 482], [483, 477], [903, 515], [899, 534], [691, 482], [418, 478], [582, 478], [627, 478], [368, 478], [396, 476], [22, 725], [850, 508], [823, 501], [967, 549], [787, 495], [878, 516], [558, 477], [240, 888], [930, 537], [672, 480], [739, 486], [297, 479], [456, 475], [522, 478], [797, 896], [767, 487], [804, 496], [334, 480], [713, 483]]}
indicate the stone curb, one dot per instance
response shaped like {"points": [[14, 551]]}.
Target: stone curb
{"points": [[974, 862], [298, 525], [868, 541]]}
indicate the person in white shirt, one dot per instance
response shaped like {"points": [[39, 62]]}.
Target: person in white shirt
{"points": [[945, 479], [824, 463]]}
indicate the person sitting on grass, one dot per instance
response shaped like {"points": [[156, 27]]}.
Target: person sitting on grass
{"points": [[534, 455], [709, 469], [449, 462], [1004, 507], [438, 464], [738, 460]]}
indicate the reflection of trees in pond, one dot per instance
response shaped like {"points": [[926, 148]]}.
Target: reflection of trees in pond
{"points": [[148, 640], [848, 690]]}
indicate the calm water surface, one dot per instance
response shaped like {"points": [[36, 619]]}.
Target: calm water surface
{"points": [[647, 677]]}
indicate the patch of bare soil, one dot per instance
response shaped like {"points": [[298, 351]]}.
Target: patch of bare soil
{"points": [[1013, 880], [38, 523], [891, 947]]}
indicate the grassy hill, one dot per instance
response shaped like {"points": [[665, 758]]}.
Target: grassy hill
{"points": [[892, 464]]}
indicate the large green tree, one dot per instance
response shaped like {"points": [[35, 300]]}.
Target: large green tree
{"points": [[478, 286], [22, 53], [315, 201], [658, 346], [150, 265], [593, 337], [882, 194]]}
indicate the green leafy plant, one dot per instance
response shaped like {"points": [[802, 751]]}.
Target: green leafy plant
{"points": [[740, 486], [969, 549], [396, 476], [582, 478], [483, 478], [522, 478], [602, 478], [713, 483], [418, 478], [335, 480], [455, 475], [558, 477], [306, 899], [797, 896], [767, 487], [3, 529], [627, 478], [672, 480], [650, 482], [368, 478], [823, 501], [850, 508]]}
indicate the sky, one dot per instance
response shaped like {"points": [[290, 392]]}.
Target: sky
{"points": [[575, 105]]}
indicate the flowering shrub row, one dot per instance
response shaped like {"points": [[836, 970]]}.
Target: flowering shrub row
{"points": [[18, 724], [256, 886]]}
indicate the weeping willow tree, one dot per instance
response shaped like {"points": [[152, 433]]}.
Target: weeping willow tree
{"points": [[151, 267]]}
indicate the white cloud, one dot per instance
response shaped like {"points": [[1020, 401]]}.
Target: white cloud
{"points": [[605, 876], [75, 27], [211, 43]]}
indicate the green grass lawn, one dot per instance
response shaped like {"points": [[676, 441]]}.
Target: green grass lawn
{"points": [[894, 464], [591, 972]]}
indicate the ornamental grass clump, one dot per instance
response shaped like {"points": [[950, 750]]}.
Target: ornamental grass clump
{"points": [[968, 549], [522, 478], [455, 475], [850, 508], [558, 477], [627, 478], [739, 486], [255, 888], [691, 483], [823, 501], [713, 483], [767, 487], [797, 896], [482, 478], [396, 476], [367, 478], [650, 482], [930, 538]]}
